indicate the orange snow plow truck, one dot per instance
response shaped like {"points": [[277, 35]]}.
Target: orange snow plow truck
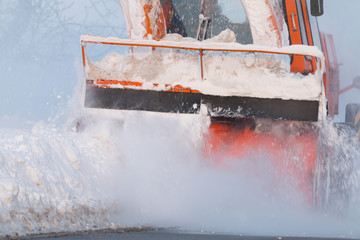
{"points": [[260, 69]]}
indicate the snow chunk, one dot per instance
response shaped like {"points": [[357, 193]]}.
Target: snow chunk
{"points": [[19, 138], [225, 36], [9, 190], [35, 175], [174, 37]]}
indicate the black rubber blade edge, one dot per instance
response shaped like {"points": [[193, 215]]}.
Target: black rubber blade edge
{"points": [[249, 107], [183, 102], [143, 100]]}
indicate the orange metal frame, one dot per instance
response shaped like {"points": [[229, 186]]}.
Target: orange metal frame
{"points": [[106, 83], [308, 31], [299, 64]]}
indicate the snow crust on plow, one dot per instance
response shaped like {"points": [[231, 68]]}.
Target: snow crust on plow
{"points": [[251, 73]]}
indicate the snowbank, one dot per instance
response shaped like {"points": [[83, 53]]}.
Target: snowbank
{"points": [[48, 182], [60, 180]]}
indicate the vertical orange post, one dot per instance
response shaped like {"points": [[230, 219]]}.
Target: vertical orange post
{"points": [[201, 64], [83, 53], [154, 19]]}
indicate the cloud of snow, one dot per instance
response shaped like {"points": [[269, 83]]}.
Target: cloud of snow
{"points": [[163, 182], [159, 176], [132, 169]]}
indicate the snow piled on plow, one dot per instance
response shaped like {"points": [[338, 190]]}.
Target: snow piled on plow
{"points": [[225, 73]]}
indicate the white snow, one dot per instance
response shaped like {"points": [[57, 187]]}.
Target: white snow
{"points": [[135, 18], [235, 74], [47, 182], [263, 33], [53, 180], [136, 168]]}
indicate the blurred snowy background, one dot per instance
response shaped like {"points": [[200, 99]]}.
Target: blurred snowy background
{"points": [[40, 62]]}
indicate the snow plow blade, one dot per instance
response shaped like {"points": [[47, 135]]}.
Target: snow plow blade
{"points": [[142, 100], [188, 102], [129, 90]]}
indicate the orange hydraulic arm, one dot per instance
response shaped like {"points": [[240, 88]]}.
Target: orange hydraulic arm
{"points": [[355, 84]]}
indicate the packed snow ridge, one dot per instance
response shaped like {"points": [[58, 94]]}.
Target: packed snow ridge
{"points": [[47, 182], [76, 177]]}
